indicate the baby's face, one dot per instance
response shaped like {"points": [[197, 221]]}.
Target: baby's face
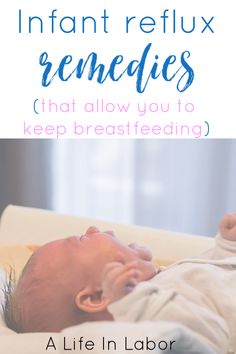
{"points": [[90, 253], [81, 259], [62, 269]]}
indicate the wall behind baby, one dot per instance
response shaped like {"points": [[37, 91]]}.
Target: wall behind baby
{"points": [[179, 185]]}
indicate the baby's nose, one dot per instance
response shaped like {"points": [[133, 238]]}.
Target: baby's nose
{"points": [[92, 230]]}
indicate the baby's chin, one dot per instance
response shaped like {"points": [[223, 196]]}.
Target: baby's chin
{"points": [[142, 252], [148, 270]]}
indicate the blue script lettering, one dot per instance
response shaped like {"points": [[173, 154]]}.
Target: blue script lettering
{"points": [[115, 71]]}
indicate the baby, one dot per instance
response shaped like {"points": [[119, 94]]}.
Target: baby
{"points": [[95, 277]]}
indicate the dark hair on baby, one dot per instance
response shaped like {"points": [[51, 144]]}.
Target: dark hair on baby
{"points": [[10, 308], [10, 313]]}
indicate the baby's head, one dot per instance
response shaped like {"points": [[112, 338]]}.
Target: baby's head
{"points": [[61, 285]]}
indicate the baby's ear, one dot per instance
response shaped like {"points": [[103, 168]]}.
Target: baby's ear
{"points": [[91, 300]]}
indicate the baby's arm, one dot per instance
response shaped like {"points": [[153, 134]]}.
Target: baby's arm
{"points": [[119, 279]]}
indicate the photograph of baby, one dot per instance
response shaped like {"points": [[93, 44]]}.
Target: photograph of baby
{"points": [[124, 245]]}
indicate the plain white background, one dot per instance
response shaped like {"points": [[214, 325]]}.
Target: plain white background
{"points": [[211, 57]]}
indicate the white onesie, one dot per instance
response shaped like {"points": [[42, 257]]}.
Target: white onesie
{"points": [[198, 293]]}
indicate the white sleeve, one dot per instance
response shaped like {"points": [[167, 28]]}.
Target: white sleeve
{"points": [[223, 249]]}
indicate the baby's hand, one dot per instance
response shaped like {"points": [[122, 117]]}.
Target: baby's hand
{"points": [[228, 227], [120, 279]]}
